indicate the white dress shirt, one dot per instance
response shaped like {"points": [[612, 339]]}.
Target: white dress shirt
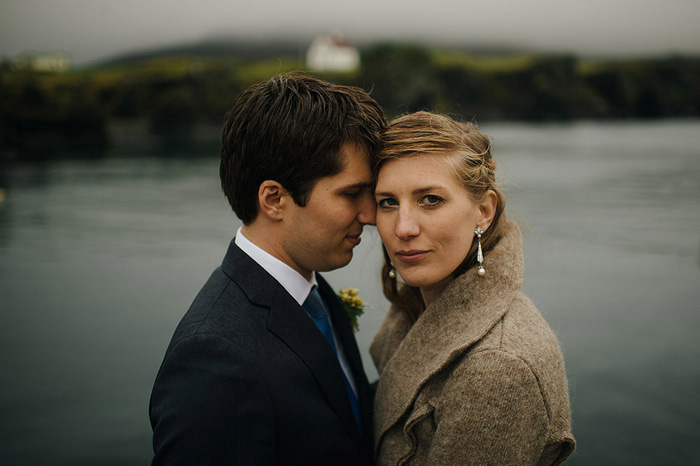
{"points": [[295, 284]]}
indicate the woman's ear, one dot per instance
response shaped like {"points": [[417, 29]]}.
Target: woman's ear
{"points": [[487, 207], [271, 199]]}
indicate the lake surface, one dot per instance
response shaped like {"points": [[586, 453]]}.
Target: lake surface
{"points": [[99, 259]]}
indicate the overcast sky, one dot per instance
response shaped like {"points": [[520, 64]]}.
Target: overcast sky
{"points": [[94, 29]]}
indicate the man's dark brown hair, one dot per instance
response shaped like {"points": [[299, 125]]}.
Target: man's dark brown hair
{"points": [[290, 129]]}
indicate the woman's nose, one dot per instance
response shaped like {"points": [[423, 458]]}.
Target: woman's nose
{"points": [[406, 225]]}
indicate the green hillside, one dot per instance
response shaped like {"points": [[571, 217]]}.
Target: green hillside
{"points": [[174, 93]]}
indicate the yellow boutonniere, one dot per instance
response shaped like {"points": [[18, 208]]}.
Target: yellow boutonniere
{"points": [[353, 305]]}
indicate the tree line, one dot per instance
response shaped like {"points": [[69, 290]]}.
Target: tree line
{"points": [[44, 112]]}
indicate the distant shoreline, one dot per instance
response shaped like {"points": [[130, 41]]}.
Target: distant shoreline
{"points": [[181, 97]]}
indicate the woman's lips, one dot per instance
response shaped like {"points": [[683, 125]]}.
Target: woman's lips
{"points": [[411, 255]]}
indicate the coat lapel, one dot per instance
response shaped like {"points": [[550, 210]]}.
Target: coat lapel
{"points": [[461, 315], [289, 322]]}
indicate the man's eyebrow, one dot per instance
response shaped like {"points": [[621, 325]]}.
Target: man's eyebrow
{"points": [[361, 185]]}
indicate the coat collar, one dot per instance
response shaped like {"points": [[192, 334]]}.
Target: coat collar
{"points": [[461, 315], [290, 323]]}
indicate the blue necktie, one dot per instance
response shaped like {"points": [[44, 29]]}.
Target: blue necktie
{"points": [[317, 311]]}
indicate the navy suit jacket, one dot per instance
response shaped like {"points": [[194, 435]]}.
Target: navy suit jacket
{"points": [[249, 379]]}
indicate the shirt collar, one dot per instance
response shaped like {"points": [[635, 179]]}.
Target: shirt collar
{"points": [[291, 280]]}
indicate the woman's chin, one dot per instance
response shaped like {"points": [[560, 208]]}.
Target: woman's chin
{"points": [[414, 280], [427, 284]]}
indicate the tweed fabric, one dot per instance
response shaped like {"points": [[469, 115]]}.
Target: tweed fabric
{"points": [[478, 379]]}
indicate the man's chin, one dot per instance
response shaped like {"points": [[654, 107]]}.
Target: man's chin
{"points": [[341, 262]]}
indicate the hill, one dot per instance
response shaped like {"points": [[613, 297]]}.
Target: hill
{"points": [[177, 89]]}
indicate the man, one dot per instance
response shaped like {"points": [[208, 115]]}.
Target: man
{"points": [[264, 368]]}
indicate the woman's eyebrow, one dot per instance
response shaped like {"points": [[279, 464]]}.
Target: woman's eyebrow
{"points": [[425, 189], [383, 193], [417, 191]]}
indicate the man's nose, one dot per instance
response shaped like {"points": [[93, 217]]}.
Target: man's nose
{"points": [[368, 210]]}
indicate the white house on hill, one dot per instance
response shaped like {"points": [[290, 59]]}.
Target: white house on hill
{"points": [[332, 52]]}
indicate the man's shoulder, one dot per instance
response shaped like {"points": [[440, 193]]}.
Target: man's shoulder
{"points": [[221, 308]]}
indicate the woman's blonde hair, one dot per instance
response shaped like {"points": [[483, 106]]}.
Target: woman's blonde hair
{"points": [[468, 152]]}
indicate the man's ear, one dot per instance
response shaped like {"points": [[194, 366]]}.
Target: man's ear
{"points": [[487, 207], [272, 198]]}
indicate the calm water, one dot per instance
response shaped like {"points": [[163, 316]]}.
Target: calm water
{"points": [[100, 259]]}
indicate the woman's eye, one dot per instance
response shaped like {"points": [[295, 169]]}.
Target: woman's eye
{"points": [[387, 202], [430, 200]]}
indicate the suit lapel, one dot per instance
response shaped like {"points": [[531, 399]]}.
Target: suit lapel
{"points": [[289, 322], [343, 330]]}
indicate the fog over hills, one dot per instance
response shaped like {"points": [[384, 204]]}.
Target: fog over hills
{"points": [[219, 47], [293, 46], [96, 30]]}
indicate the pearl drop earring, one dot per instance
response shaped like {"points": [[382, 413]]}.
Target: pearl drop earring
{"points": [[479, 254]]}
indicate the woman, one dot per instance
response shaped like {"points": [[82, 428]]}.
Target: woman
{"points": [[470, 373]]}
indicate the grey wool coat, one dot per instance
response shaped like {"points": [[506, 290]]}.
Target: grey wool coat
{"points": [[478, 379]]}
